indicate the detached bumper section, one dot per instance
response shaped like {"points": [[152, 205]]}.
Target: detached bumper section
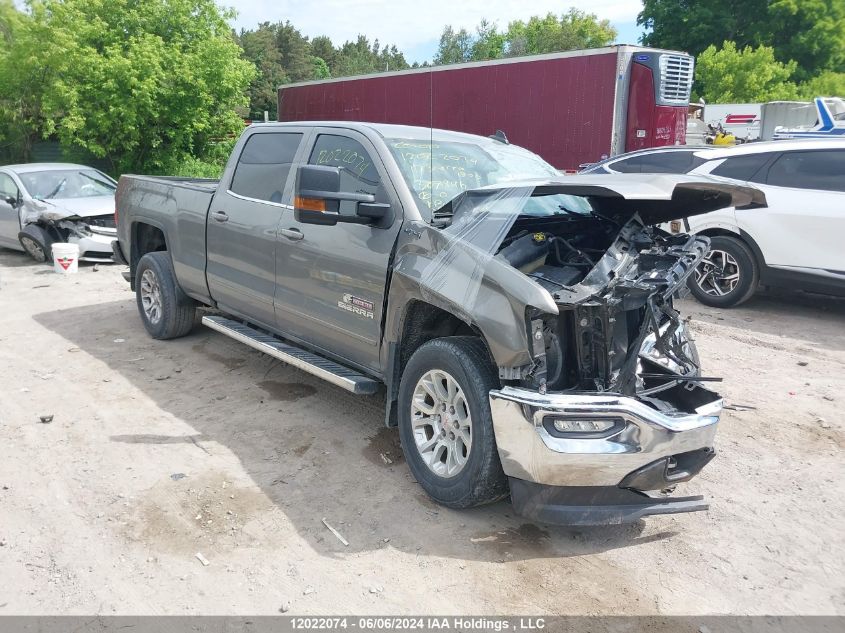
{"points": [[588, 459]]}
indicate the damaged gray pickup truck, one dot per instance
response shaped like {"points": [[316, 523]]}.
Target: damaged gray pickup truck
{"points": [[520, 321]]}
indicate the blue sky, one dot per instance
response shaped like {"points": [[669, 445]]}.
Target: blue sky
{"points": [[415, 25]]}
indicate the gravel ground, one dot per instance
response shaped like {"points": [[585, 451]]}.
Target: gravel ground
{"points": [[158, 451]]}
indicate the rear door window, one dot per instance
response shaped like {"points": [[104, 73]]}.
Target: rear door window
{"points": [[658, 163], [821, 169], [264, 165], [743, 167], [631, 165]]}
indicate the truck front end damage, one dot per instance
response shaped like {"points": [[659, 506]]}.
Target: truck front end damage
{"points": [[606, 411], [614, 408]]}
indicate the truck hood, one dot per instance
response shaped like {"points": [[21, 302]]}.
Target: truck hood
{"points": [[66, 208], [656, 198]]}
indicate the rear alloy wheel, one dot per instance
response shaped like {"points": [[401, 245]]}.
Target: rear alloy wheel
{"points": [[727, 276], [150, 293], [167, 312]]}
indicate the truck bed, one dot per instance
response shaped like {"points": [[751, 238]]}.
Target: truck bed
{"points": [[177, 207], [200, 184]]}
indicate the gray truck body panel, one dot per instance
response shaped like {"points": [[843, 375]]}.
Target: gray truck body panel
{"points": [[247, 267], [602, 397]]}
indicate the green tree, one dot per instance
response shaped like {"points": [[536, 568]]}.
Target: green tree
{"points": [[827, 84], [321, 68], [549, 34], [540, 34], [693, 25], [360, 58], [455, 47], [489, 42], [810, 32], [295, 51], [322, 47], [142, 83], [729, 75], [22, 75], [260, 49]]}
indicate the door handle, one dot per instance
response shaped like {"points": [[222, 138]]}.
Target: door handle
{"points": [[220, 216], [292, 234]]}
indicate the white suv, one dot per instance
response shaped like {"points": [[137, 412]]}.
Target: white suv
{"points": [[797, 242]]}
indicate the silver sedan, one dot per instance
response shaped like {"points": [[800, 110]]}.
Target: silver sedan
{"points": [[45, 203]]}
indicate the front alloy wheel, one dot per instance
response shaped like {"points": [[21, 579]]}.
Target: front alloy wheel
{"points": [[442, 423], [445, 422], [728, 274], [718, 274]]}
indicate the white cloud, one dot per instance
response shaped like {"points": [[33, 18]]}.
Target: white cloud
{"points": [[409, 23]]}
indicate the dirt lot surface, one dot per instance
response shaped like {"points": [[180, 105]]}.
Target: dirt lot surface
{"points": [[158, 451]]}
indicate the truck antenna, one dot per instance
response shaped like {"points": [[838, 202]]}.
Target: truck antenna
{"points": [[500, 136]]}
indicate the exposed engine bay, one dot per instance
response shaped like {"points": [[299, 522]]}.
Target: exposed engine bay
{"points": [[614, 283]]}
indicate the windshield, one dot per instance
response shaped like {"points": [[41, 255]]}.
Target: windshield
{"points": [[67, 183], [439, 170]]}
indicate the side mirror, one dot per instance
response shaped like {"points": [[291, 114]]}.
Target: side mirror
{"points": [[379, 214], [12, 201], [318, 197]]}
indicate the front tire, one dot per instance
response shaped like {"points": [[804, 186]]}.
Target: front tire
{"points": [[167, 312], [36, 242], [728, 275], [445, 423]]}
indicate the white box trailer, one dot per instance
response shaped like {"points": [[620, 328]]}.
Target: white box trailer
{"points": [[791, 114]]}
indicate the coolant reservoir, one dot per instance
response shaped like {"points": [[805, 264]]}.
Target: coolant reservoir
{"points": [[526, 253]]}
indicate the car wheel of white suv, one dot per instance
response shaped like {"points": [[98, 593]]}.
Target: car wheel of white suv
{"points": [[728, 275]]}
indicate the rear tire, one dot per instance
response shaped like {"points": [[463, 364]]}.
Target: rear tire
{"points": [[728, 276], [36, 242], [167, 312], [451, 378]]}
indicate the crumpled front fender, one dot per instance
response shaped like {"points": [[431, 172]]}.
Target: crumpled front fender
{"points": [[481, 290]]}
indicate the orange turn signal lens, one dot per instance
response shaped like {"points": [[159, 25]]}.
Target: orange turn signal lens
{"points": [[310, 204]]}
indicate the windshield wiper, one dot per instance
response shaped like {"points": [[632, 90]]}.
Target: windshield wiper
{"points": [[569, 212], [105, 184], [56, 190]]}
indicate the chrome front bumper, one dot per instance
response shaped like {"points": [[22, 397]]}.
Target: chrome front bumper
{"points": [[643, 439]]}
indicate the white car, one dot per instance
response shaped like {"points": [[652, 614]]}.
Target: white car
{"points": [[45, 203], [796, 242], [671, 159]]}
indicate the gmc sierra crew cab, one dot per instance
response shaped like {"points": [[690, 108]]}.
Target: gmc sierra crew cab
{"points": [[520, 322]]}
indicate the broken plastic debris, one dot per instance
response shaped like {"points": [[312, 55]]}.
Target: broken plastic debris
{"points": [[120, 340], [46, 419], [202, 559], [178, 476]]}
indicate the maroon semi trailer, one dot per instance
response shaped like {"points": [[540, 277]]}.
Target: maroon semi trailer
{"points": [[571, 108]]}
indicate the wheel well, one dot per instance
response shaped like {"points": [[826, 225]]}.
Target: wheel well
{"points": [[422, 322], [743, 237], [145, 238], [714, 232]]}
